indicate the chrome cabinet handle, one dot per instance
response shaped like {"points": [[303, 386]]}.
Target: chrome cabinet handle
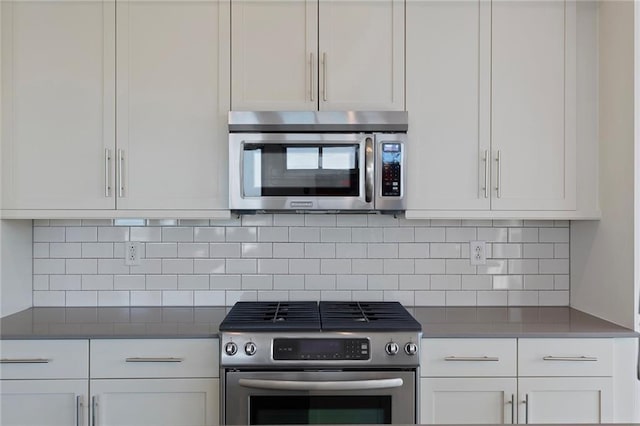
{"points": [[79, 421], [471, 358], [138, 359], [107, 173], [94, 409], [120, 167], [324, 76], [526, 408], [321, 386], [569, 358], [24, 361], [499, 176], [369, 169], [311, 62], [513, 408], [486, 173]]}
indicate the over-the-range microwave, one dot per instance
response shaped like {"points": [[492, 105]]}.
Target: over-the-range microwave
{"points": [[317, 161]]}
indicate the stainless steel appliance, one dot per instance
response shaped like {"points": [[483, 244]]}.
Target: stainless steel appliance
{"points": [[304, 160], [326, 363]]}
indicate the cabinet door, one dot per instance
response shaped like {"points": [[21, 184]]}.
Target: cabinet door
{"points": [[274, 55], [467, 400], [565, 400], [533, 105], [172, 103], [361, 54], [155, 402], [43, 402], [448, 85], [58, 80]]}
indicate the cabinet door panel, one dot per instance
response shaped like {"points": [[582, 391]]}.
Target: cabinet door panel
{"points": [[43, 402], [156, 402], [467, 400], [274, 55], [565, 400], [58, 61], [363, 43], [448, 102], [172, 104], [531, 105]]}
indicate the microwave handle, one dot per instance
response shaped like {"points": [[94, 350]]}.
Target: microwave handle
{"points": [[295, 385], [369, 169]]}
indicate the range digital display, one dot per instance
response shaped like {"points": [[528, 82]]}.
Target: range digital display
{"points": [[320, 349]]}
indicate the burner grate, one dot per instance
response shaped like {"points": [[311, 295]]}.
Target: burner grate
{"points": [[272, 316], [373, 316]]}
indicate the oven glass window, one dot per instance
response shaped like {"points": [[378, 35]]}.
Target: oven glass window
{"points": [[285, 409], [282, 170]]}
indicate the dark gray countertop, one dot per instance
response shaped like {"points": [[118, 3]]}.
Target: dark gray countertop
{"points": [[199, 322]]}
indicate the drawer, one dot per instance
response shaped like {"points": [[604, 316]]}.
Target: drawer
{"points": [[468, 357], [44, 359], [151, 358], [565, 357]]}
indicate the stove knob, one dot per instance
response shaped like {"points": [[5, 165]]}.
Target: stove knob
{"points": [[250, 348], [391, 348], [411, 348], [230, 348]]}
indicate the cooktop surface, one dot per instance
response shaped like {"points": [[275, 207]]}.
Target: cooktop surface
{"points": [[323, 316]]}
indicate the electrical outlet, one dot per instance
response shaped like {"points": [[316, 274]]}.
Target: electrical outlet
{"points": [[477, 252], [132, 253]]}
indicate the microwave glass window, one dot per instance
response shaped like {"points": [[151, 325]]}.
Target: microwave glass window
{"points": [[319, 409], [290, 169]]}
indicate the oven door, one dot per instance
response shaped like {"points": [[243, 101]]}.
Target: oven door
{"points": [[301, 171], [319, 397]]}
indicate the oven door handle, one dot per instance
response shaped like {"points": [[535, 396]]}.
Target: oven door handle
{"points": [[295, 385]]}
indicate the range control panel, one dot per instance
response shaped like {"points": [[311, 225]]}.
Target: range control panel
{"points": [[301, 349], [391, 169]]}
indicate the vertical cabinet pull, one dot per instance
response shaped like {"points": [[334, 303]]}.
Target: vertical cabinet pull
{"points": [[120, 167], [94, 409], [526, 408], [107, 172], [499, 175], [311, 63], [79, 421], [324, 76], [513, 408], [486, 173]]}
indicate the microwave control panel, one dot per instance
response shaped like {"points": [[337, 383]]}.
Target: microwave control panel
{"points": [[391, 169]]}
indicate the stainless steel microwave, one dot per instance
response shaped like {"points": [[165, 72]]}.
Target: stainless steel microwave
{"points": [[327, 161]]}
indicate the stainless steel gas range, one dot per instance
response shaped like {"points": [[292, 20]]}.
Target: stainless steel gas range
{"points": [[319, 363]]}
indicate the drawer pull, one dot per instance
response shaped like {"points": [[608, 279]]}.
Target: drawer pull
{"points": [[471, 358], [569, 358], [24, 361], [170, 359]]}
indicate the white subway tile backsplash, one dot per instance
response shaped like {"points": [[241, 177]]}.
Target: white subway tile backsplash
{"points": [[398, 266], [554, 235], [48, 235], [304, 266], [300, 257], [65, 222], [81, 234], [446, 282], [97, 282], [398, 235], [213, 266], [382, 251]]}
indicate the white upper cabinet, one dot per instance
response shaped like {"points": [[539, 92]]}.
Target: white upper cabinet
{"points": [[58, 84], [448, 84], [533, 105], [274, 56], [309, 55], [361, 55], [172, 103]]}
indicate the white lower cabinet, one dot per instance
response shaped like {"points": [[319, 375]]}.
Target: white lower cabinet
{"points": [[476, 400], [154, 402], [549, 381], [43, 402]]}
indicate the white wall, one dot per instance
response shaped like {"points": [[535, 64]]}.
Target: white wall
{"points": [[602, 252]]}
